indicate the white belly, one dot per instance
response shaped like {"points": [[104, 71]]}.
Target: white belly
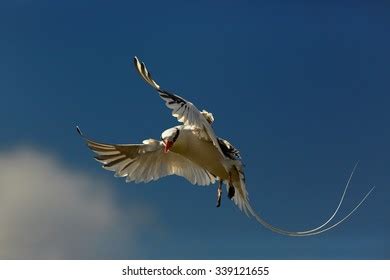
{"points": [[201, 152]]}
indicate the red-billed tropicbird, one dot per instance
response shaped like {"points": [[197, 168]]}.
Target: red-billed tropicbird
{"points": [[193, 151]]}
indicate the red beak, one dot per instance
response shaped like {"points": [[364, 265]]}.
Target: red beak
{"points": [[167, 146]]}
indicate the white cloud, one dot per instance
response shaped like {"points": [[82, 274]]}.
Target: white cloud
{"points": [[49, 211]]}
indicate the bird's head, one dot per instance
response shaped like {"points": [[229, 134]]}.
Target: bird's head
{"points": [[169, 138]]}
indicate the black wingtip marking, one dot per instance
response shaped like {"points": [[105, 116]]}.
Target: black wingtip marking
{"points": [[79, 131], [174, 98], [135, 61], [143, 67], [228, 150]]}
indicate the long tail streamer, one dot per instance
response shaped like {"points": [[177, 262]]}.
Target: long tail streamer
{"points": [[321, 228]]}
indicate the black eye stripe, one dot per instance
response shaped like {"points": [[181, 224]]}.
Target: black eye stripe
{"points": [[177, 135]]}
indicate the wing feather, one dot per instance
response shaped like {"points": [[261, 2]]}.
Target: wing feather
{"points": [[146, 162], [183, 110]]}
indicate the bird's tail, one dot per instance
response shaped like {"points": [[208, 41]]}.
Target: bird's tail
{"points": [[242, 201]]}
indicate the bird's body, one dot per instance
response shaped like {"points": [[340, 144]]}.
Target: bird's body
{"points": [[191, 150], [201, 152]]}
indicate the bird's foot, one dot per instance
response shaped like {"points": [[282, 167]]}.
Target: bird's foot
{"points": [[219, 195]]}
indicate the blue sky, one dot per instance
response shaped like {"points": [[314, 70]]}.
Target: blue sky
{"points": [[300, 88]]}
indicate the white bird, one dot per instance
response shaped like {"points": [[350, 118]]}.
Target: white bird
{"points": [[191, 150]]}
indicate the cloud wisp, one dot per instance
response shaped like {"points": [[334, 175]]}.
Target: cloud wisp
{"points": [[49, 211]]}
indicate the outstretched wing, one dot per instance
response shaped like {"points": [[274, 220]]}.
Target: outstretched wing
{"points": [[147, 162], [183, 110]]}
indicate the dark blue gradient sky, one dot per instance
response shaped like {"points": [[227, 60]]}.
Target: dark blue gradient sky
{"points": [[301, 88]]}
